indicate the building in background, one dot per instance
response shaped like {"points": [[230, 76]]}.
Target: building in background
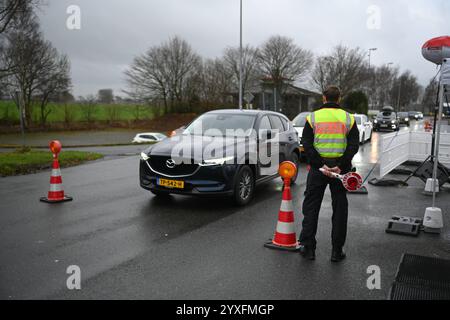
{"points": [[291, 101]]}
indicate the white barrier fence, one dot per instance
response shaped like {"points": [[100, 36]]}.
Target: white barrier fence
{"points": [[420, 147], [395, 149]]}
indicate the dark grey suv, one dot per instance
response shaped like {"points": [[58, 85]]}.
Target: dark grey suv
{"points": [[225, 153]]}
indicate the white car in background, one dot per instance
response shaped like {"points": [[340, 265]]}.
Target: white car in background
{"points": [[365, 128], [299, 124], [149, 137]]}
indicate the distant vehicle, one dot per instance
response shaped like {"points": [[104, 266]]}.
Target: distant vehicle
{"points": [[403, 118], [414, 115], [234, 175], [386, 120], [365, 128], [446, 110], [177, 132], [149, 137], [299, 125]]}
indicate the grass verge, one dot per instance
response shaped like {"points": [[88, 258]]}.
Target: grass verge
{"points": [[25, 162]]}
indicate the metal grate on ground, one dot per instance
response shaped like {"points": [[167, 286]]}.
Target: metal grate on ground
{"points": [[422, 278]]}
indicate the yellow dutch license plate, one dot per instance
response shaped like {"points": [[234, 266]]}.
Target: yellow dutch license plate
{"points": [[172, 184]]}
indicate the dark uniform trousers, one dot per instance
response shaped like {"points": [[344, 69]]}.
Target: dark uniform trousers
{"points": [[317, 183]]}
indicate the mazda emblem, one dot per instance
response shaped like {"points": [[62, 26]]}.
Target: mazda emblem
{"points": [[170, 164]]}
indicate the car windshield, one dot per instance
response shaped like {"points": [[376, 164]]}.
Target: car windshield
{"points": [[358, 120], [385, 114], [403, 114], [214, 125], [300, 120]]}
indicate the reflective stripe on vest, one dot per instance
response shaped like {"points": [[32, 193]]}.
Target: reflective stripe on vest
{"points": [[331, 127]]}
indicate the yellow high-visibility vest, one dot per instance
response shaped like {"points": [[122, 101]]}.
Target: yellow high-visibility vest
{"points": [[331, 127]]}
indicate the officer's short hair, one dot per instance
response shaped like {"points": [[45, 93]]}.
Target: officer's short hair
{"points": [[332, 94]]}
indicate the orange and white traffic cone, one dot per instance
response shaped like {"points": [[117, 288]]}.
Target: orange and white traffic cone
{"points": [[285, 235], [56, 192]]}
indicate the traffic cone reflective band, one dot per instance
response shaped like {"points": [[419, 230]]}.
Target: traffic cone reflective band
{"points": [[285, 236], [56, 192]]}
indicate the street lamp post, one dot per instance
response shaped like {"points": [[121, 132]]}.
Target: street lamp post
{"points": [[389, 65], [370, 54], [370, 90], [240, 60], [399, 93]]}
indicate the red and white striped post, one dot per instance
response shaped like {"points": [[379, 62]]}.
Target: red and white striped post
{"points": [[56, 192], [285, 236]]}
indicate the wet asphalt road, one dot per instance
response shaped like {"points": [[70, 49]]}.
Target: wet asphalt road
{"points": [[130, 245]]}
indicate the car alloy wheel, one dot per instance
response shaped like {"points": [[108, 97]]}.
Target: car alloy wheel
{"points": [[245, 185]]}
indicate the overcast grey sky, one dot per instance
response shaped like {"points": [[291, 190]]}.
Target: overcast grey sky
{"points": [[113, 32]]}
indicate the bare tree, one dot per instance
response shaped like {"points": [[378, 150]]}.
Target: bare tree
{"points": [[13, 15], [215, 82], [250, 67], [281, 59], [33, 61], [430, 98], [344, 67], [383, 81], [89, 107], [53, 81], [182, 62], [148, 77], [10, 9], [405, 91], [283, 62], [113, 113], [163, 72]]}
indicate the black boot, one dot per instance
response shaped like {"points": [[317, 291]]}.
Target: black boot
{"points": [[308, 253], [338, 255]]}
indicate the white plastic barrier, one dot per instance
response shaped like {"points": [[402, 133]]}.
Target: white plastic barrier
{"points": [[420, 147], [394, 151]]}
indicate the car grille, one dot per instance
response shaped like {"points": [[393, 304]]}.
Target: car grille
{"points": [[158, 164]]}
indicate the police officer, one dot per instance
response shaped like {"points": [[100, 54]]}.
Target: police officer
{"points": [[331, 140]]}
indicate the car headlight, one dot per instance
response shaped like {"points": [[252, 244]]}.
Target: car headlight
{"points": [[144, 156], [407, 119], [217, 162], [393, 121], [375, 121]]}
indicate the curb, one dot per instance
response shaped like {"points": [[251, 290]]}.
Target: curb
{"points": [[16, 146]]}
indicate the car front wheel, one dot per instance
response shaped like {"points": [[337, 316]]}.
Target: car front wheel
{"points": [[244, 186]]}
